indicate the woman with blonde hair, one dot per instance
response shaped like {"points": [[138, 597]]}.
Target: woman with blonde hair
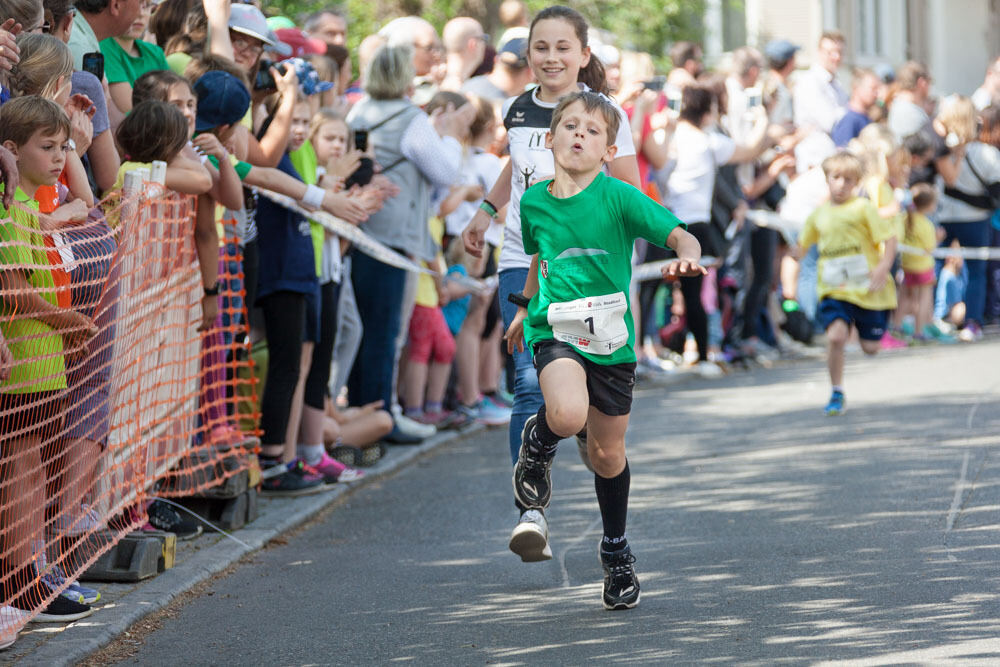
{"points": [[968, 202]]}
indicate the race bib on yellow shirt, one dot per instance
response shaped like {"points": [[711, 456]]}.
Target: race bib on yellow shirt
{"points": [[848, 272], [593, 324]]}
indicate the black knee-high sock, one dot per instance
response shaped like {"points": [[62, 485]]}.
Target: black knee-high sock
{"points": [[612, 496], [543, 436]]}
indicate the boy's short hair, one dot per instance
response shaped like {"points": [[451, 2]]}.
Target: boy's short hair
{"points": [[22, 117], [592, 102], [843, 163], [924, 196]]}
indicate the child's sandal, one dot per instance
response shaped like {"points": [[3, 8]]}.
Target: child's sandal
{"points": [[371, 454], [349, 456]]}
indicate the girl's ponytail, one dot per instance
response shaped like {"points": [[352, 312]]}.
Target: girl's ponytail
{"points": [[593, 74]]}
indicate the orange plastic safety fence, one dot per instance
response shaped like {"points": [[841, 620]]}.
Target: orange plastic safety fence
{"points": [[108, 392]]}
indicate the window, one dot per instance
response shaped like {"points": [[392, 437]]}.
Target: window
{"points": [[871, 31]]}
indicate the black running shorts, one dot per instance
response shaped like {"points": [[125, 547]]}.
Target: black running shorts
{"points": [[609, 387]]}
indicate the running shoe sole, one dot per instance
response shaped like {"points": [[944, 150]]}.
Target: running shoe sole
{"points": [[622, 605], [529, 544], [61, 618]]}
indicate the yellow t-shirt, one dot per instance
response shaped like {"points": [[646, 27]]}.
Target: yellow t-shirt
{"points": [[920, 235], [36, 347], [426, 291], [848, 236]]}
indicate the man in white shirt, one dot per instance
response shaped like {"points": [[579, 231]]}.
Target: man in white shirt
{"points": [[819, 99], [908, 111]]}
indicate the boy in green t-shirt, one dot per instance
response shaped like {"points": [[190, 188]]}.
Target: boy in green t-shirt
{"points": [[39, 334], [579, 229]]}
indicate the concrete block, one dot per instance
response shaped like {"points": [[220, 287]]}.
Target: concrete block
{"points": [[137, 556]]}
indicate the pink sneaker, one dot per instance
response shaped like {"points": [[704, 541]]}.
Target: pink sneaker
{"points": [[890, 342], [333, 470]]}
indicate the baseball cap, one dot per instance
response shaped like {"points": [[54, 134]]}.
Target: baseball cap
{"points": [[248, 20], [299, 42], [514, 52], [222, 100], [780, 50]]}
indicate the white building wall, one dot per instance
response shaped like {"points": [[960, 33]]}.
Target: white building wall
{"points": [[960, 44]]}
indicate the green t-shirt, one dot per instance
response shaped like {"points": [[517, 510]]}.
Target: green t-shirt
{"points": [[584, 246], [121, 66], [305, 162], [36, 348]]}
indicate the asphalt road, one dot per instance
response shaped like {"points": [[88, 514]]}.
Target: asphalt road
{"points": [[766, 533]]}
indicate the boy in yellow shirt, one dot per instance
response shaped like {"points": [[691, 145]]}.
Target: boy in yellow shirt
{"points": [[853, 275], [40, 335]]}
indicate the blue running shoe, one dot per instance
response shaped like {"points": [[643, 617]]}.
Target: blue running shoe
{"points": [[836, 405]]}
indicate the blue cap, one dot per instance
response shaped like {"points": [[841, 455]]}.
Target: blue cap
{"points": [[885, 72], [780, 50], [222, 100]]}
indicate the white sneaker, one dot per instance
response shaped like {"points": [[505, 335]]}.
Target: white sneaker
{"points": [[530, 538], [12, 619], [707, 369], [411, 427]]}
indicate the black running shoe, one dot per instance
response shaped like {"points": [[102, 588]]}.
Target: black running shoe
{"points": [[621, 587], [63, 610], [164, 517], [289, 480], [532, 473]]}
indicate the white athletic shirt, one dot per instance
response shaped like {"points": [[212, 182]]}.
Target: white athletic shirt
{"points": [[527, 119]]}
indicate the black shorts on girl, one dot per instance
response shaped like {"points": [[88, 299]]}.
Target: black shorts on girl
{"points": [[609, 387]]}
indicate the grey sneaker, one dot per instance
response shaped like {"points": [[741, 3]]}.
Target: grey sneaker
{"points": [[532, 477], [530, 538]]}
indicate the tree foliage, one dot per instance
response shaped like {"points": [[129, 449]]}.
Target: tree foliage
{"points": [[644, 25]]}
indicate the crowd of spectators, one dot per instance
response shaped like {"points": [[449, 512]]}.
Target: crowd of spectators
{"points": [[362, 352]]}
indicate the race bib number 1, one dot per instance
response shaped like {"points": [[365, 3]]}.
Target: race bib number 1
{"points": [[591, 324], [849, 272]]}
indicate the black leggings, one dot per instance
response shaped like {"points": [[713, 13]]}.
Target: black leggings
{"points": [[284, 326], [322, 356], [763, 245], [712, 245]]}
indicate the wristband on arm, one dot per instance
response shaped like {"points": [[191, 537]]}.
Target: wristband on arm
{"points": [[490, 209], [518, 299], [313, 196]]}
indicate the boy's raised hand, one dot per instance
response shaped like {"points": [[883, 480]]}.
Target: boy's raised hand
{"points": [[683, 267], [9, 51], [209, 144], [515, 332]]}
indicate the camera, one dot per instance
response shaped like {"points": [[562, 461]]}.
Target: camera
{"points": [[264, 80]]}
